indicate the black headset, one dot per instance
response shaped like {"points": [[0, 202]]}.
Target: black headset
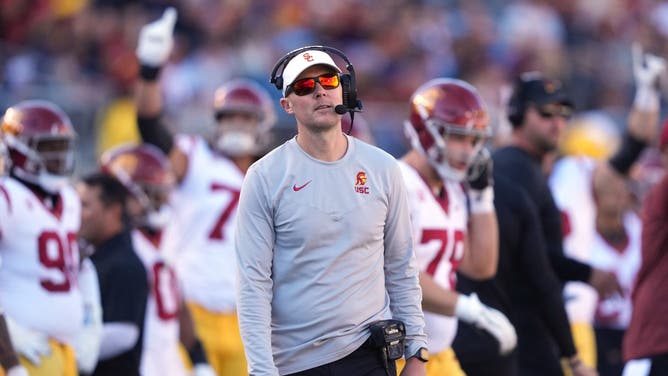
{"points": [[350, 102]]}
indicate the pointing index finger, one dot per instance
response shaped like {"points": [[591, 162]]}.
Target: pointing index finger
{"points": [[169, 17]]}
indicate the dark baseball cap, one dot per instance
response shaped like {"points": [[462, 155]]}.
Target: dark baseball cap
{"points": [[532, 88]]}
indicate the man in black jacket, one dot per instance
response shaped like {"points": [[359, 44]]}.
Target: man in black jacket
{"points": [[525, 288], [122, 276]]}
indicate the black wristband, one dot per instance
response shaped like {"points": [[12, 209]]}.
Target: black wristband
{"points": [[149, 73], [628, 153], [196, 353]]}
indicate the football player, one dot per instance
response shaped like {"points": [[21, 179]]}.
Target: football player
{"points": [[8, 359], [39, 220], [614, 247], [147, 174], [209, 172], [454, 221], [599, 158]]}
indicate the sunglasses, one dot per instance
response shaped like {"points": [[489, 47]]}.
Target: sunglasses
{"points": [[306, 86], [549, 111]]}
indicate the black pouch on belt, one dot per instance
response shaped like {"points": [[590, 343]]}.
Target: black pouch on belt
{"points": [[388, 336]]}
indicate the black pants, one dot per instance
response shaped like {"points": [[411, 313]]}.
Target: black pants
{"points": [[365, 361], [499, 366], [478, 353], [609, 351], [538, 354], [659, 365]]}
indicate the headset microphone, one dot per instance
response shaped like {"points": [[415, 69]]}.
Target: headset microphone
{"points": [[340, 109]]}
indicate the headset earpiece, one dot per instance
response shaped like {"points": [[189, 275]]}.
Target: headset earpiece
{"points": [[278, 82], [277, 79], [347, 90], [516, 104]]}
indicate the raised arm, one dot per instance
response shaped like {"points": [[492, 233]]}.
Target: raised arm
{"points": [[153, 49], [643, 119]]}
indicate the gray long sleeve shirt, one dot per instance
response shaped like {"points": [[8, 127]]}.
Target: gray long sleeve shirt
{"points": [[323, 249]]}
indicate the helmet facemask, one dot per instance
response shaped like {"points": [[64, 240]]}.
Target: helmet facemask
{"points": [[236, 134], [439, 155], [154, 210], [48, 160], [244, 113], [147, 174]]}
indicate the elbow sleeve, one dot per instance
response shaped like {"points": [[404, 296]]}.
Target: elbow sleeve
{"points": [[627, 154]]}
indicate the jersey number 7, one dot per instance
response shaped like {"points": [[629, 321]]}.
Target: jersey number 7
{"points": [[217, 231]]}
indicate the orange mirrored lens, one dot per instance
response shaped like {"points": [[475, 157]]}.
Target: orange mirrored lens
{"points": [[307, 85], [329, 81]]}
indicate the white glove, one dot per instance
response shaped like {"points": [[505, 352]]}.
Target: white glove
{"points": [[156, 40], [470, 310], [17, 371], [646, 70], [203, 369], [87, 343], [29, 343]]}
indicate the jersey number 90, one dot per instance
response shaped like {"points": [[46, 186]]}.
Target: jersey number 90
{"points": [[61, 255]]}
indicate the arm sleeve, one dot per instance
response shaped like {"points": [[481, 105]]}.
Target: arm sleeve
{"points": [[154, 131], [401, 269], [627, 154], [534, 262], [254, 242], [117, 338]]}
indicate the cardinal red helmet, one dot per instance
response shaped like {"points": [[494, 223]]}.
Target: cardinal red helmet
{"points": [[441, 107], [40, 142], [241, 97], [147, 174]]}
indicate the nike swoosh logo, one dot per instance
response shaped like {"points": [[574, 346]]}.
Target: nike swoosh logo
{"points": [[297, 189]]}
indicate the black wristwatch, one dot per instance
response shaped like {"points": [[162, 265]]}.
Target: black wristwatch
{"points": [[422, 355]]}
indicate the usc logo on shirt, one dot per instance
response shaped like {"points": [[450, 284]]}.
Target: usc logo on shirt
{"points": [[360, 183]]}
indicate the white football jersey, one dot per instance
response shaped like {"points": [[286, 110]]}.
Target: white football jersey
{"points": [[200, 237], [439, 230], [40, 260], [160, 354], [571, 186], [615, 312]]}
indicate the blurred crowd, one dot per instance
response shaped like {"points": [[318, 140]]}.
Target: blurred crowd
{"points": [[80, 53]]}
